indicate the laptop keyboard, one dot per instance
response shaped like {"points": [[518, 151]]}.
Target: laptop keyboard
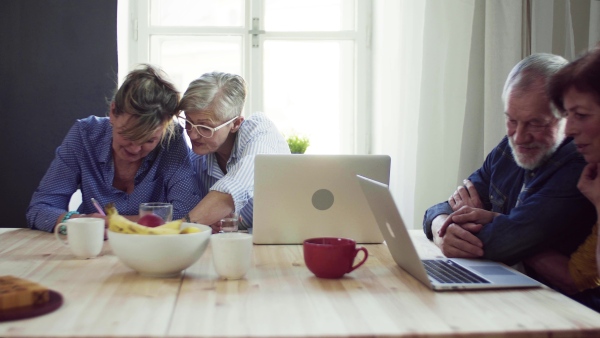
{"points": [[450, 272]]}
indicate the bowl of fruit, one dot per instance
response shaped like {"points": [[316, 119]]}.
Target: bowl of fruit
{"points": [[156, 249]]}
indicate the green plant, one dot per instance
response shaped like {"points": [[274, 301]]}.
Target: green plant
{"points": [[298, 144]]}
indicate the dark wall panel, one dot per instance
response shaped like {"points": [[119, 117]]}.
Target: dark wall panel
{"points": [[58, 63]]}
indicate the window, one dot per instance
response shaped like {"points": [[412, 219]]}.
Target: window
{"points": [[306, 62]]}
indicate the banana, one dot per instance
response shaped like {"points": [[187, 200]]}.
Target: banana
{"points": [[118, 223], [189, 230], [134, 228], [171, 225]]}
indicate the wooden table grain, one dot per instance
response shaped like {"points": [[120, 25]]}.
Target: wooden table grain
{"points": [[279, 297]]}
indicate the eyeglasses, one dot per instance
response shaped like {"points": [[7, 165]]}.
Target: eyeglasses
{"points": [[531, 126], [202, 130]]}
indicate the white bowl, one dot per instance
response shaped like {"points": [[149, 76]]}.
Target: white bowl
{"points": [[160, 255]]}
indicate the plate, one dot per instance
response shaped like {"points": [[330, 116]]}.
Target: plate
{"points": [[54, 303]]}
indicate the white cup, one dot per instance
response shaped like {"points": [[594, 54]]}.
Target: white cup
{"points": [[85, 236], [232, 254]]}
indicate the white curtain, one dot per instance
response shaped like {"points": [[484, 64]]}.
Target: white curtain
{"points": [[438, 71]]}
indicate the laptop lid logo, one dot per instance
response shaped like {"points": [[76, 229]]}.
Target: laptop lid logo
{"points": [[390, 229], [322, 199]]}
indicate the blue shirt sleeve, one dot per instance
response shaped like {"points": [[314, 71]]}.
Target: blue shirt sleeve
{"points": [[431, 214], [557, 216]]}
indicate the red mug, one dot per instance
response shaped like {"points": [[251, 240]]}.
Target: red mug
{"points": [[332, 257]]}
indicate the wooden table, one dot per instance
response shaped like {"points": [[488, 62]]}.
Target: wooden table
{"points": [[278, 298]]}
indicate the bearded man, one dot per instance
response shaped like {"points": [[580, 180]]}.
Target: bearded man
{"points": [[524, 198]]}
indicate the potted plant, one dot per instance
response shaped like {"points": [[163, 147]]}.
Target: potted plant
{"points": [[298, 144]]}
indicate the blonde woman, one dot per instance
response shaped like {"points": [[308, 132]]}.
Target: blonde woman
{"points": [[136, 154]]}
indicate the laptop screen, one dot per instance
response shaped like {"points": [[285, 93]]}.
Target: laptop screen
{"points": [[302, 196]]}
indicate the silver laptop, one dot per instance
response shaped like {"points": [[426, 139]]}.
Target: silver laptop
{"points": [[297, 197], [441, 273]]}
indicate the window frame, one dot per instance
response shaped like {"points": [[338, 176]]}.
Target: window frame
{"points": [[137, 47]]}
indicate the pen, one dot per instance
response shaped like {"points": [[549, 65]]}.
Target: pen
{"points": [[98, 207]]}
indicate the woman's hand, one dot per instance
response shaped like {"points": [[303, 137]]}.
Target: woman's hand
{"points": [[589, 184], [216, 227]]}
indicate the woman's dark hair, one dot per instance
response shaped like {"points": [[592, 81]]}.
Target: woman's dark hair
{"points": [[582, 74], [148, 94]]}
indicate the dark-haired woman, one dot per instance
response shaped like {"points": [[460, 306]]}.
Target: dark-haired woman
{"points": [[575, 90]]}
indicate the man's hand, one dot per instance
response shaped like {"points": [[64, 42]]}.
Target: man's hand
{"points": [[471, 218], [465, 196], [458, 240]]}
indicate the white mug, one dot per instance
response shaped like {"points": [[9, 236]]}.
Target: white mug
{"points": [[85, 236], [232, 254]]}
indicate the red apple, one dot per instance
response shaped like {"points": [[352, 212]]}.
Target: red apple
{"points": [[151, 220]]}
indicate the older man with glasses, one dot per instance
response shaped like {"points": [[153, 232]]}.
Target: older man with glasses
{"points": [[225, 143]]}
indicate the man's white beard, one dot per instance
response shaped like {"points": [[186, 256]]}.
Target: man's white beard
{"points": [[543, 155]]}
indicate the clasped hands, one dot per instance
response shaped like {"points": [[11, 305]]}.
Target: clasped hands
{"points": [[456, 235]]}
